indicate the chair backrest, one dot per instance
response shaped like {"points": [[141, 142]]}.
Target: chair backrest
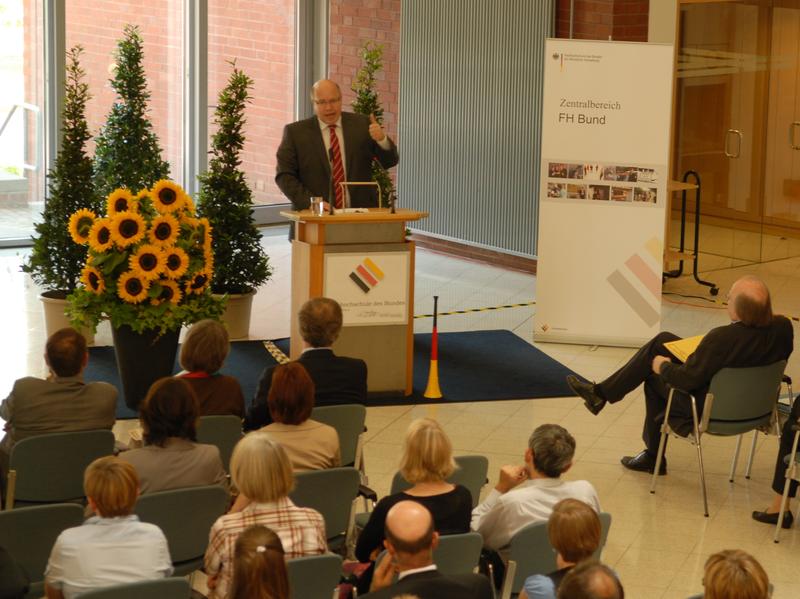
{"points": [[331, 492], [29, 533], [530, 549], [222, 431], [348, 420], [163, 588], [314, 577], [185, 516], [49, 468], [743, 398], [470, 472], [458, 554]]}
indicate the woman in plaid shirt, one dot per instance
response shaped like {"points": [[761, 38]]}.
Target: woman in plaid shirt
{"points": [[261, 471]]}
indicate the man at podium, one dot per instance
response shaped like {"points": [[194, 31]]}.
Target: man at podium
{"points": [[318, 153]]}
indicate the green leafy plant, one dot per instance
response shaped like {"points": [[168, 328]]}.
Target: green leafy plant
{"points": [[367, 102], [128, 153], [55, 263], [149, 264], [227, 201]]}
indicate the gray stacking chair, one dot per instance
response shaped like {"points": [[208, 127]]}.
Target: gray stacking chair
{"points": [[458, 554], [739, 400], [29, 533], [49, 468], [791, 460], [222, 431], [163, 588], [348, 420], [185, 516], [314, 577], [331, 492], [530, 553]]}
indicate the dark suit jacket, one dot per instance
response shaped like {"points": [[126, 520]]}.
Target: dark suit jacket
{"points": [[435, 585], [337, 380], [304, 169]]}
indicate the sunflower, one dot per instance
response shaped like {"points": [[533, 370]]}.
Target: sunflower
{"points": [[143, 193], [148, 261], [79, 225], [188, 204], [132, 288], [164, 230], [100, 235], [176, 262], [127, 228], [120, 200], [92, 279], [199, 282], [167, 196], [208, 256], [207, 228], [170, 292]]}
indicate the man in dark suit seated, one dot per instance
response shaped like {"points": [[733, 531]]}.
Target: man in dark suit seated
{"points": [[62, 402], [410, 541], [337, 379], [753, 338]]}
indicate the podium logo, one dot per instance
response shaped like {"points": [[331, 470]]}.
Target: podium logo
{"points": [[367, 275]]}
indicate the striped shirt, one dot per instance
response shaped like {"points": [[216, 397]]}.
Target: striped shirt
{"points": [[301, 530]]}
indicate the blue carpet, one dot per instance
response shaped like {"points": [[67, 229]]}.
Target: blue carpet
{"points": [[473, 366]]}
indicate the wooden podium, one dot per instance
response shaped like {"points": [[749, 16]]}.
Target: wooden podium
{"points": [[364, 261]]}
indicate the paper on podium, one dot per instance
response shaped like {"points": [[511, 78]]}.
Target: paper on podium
{"points": [[683, 348]]}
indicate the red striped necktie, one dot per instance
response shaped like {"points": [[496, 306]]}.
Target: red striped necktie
{"points": [[336, 167]]}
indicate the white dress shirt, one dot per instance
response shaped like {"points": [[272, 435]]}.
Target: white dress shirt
{"points": [[105, 552], [502, 515]]}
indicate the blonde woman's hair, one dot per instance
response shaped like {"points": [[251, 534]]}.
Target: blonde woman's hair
{"points": [[260, 468], [574, 530], [734, 574], [427, 453], [113, 486]]}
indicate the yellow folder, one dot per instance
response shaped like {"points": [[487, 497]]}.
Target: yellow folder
{"points": [[683, 348]]}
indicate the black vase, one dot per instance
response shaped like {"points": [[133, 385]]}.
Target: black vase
{"points": [[142, 359]]}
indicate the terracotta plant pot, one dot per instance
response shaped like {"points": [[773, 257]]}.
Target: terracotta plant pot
{"points": [[54, 304], [237, 314]]}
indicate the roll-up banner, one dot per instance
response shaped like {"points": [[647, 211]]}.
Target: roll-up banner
{"points": [[603, 199]]}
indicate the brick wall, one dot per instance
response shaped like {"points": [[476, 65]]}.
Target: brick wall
{"points": [[621, 20]]}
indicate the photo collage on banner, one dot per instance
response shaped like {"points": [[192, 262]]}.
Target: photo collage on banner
{"points": [[602, 182]]}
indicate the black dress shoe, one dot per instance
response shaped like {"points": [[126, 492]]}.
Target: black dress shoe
{"points": [[593, 402], [772, 518], [644, 462]]}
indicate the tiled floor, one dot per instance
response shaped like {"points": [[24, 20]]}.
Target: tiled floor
{"points": [[658, 543]]}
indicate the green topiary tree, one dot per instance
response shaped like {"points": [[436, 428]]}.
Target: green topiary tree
{"points": [[240, 263], [128, 153], [367, 103], [55, 262]]}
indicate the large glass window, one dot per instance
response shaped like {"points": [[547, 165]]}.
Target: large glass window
{"points": [[260, 37]]}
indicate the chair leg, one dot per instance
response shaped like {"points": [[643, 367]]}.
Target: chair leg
{"points": [[508, 579], [660, 455], [753, 454], [700, 456], [11, 489], [735, 458]]}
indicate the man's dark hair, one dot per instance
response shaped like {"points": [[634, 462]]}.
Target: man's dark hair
{"points": [[411, 547], [65, 351], [170, 409], [591, 580], [320, 321], [752, 311], [553, 449]]}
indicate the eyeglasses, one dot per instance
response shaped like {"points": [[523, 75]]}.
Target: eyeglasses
{"points": [[327, 102]]}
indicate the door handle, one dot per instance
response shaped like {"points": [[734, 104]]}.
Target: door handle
{"points": [[738, 134], [792, 128]]}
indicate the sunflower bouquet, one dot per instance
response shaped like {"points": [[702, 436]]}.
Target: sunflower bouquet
{"points": [[149, 263]]}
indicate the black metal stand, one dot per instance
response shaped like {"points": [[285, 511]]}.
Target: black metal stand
{"points": [[714, 290]]}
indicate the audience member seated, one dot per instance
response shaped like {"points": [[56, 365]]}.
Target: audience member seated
{"points": [[427, 461], [753, 338], [591, 580], [112, 547], [410, 541], [14, 582], [261, 471], [527, 494], [337, 380], [770, 515], [62, 402], [574, 533], [311, 445], [734, 574], [259, 566], [203, 353], [171, 457]]}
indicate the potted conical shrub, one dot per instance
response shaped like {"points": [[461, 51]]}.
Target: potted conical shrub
{"points": [[241, 265], [55, 264]]}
